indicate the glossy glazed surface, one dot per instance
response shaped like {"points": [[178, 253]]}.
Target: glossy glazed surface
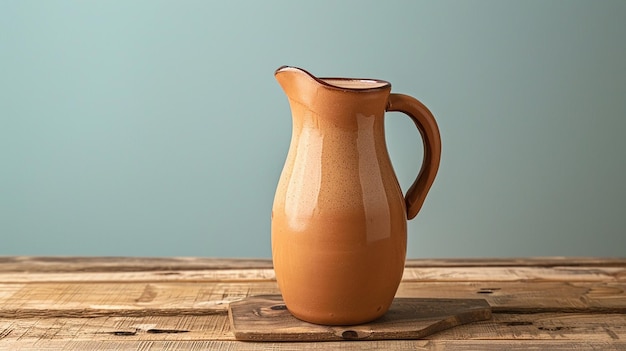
{"points": [[339, 215]]}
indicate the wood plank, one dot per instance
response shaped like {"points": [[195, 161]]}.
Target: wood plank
{"points": [[421, 274], [216, 275], [529, 297], [551, 261], [418, 345], [516, 274], [87, 299], [542, 326], [170, 328], [31, 264], [265, 318], [502, 326], [183, 298], [180, 303]]}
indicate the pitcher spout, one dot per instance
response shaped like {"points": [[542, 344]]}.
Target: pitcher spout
{"points": [[288, 76], [290, 72], [296, 82], [325, 96]]}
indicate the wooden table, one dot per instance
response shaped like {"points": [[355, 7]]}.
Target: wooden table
{"points": [[181, 303]]}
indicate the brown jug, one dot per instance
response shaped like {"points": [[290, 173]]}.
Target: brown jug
{"points": [[339, 217]]}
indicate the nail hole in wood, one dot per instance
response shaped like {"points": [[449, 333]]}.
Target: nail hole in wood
{"points": [[350, 335]]}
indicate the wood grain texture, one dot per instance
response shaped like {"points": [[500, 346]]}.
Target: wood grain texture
{"points": [[28, 264], [502, 326], [89, 299], [413, 345], [417, 274], [266, 318], [539, 326], [181, 303]]}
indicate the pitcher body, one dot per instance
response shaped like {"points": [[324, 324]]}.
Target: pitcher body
{"points": [[339, 217]]}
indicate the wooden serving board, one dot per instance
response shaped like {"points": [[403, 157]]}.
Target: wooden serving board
{"points": [[266, 318]]}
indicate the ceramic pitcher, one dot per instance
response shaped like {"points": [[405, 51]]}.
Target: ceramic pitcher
{"points": [[339, 219]]}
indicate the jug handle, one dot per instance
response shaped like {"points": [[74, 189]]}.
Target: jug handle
{"points": [[427, 126]]}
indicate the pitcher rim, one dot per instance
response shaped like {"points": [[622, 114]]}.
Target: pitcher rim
{"points": [[381, 84]]}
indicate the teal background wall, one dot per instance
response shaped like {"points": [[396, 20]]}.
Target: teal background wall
{"points": [[156, 128]]}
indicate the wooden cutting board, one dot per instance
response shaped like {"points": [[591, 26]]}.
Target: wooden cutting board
{"points": [[266, 318]]}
